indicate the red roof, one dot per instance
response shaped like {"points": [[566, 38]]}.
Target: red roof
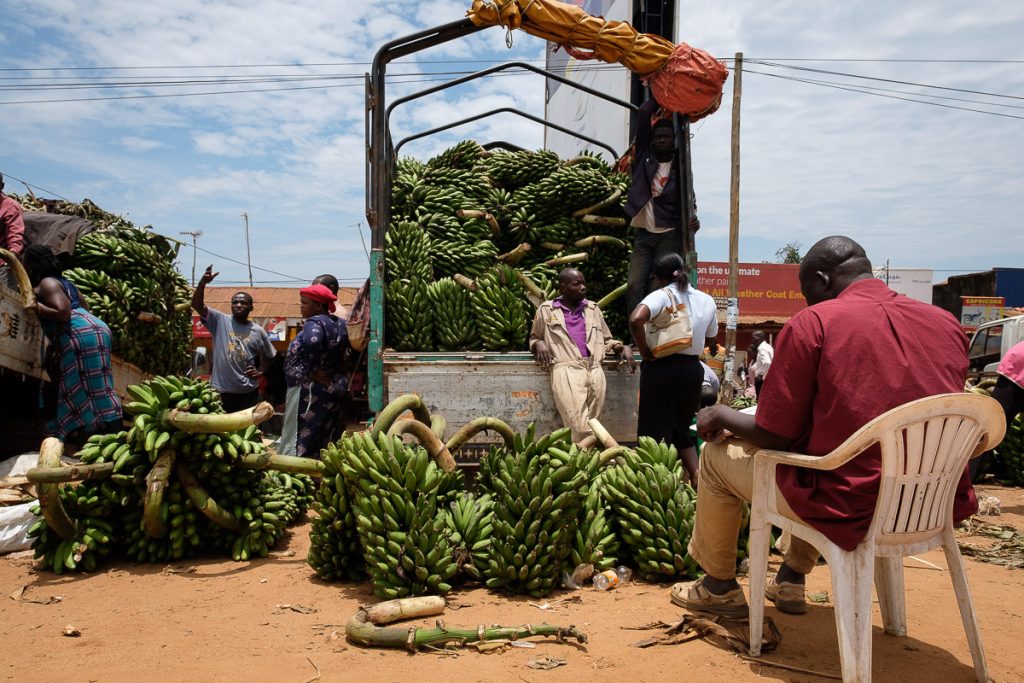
{"points": [[271, 302]]}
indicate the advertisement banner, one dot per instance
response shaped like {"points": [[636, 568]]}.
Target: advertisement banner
{"points": [[765, 289], [277, 328], [978, 310], [578, 111], [913, 282], [199, 330]]}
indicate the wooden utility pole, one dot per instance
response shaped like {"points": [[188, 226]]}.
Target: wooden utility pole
{"points": [[248, 254], [733, 307]]}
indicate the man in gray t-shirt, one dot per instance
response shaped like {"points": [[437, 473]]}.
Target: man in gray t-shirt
{"points": [[237, 342]]}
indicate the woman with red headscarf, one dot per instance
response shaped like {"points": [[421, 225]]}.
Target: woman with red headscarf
{"points": [[313, 365]]}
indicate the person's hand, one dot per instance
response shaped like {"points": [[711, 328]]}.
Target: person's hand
{"points": [[626, 352], [542, 354], [694, 223], [252, 372], [709, 426], [208, 275]]}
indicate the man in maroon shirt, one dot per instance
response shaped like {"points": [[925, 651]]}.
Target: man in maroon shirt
{"points": [[852, 355]]}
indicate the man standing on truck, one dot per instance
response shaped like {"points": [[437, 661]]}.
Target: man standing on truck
{"points": [[12, 231], [237, 342], [653, 201], [571, 338]]}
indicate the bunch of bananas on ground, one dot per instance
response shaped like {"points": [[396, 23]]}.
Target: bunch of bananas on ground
{"points": [[469, 519], [127, 278], [454, 325], [479, 209], [1010, 453], [335, 552], [535, 488], [596, 540], [185, 479], [395, 490], [653, 508]]}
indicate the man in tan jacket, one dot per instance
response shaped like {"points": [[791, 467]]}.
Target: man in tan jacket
{"points": [[571, 338]]}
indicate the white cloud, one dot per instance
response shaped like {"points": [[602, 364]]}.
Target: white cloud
{"points": [[134, 143]]}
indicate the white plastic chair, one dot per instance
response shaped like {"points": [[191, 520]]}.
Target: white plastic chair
{"points": [[925, 447]]}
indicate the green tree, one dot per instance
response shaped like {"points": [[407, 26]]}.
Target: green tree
{"points": [[789, 253]]}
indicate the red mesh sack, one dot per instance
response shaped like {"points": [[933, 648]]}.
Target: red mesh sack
{"points": [[689, 83]]}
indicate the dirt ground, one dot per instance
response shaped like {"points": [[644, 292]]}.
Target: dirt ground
{"points": [[273, 620]]}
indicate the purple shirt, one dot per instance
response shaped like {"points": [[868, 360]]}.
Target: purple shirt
{"points": [[575, 325]]}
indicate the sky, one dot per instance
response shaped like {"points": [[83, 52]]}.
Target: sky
{"points": [[918, 184]]}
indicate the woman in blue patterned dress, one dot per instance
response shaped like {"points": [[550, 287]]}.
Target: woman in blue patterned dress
{"points": [[314, 364], [80, 349]]}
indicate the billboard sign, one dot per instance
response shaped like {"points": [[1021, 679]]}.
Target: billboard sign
{"points": [[915, 283], [199, 330], [978, 310], [765, 289], [579, 111]]}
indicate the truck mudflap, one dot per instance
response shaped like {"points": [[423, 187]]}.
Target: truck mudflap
{"points": [[508, 386]]}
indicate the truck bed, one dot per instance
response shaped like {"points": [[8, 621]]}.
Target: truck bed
{"points": [[509, 386]]}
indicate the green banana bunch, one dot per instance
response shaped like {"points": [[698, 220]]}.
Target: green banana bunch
{"points": [[596, 539], [335, 552], [500, 310], [653, 508], [410, 321], [469, 521], [512, 170], [396, 492], [535, 488], [471, 260], [465, 155], [408, 252], [94, 505], [1009, 454], [454, 325]]}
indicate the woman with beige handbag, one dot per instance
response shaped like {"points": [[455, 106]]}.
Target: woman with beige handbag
{"points": [[671, 326]]}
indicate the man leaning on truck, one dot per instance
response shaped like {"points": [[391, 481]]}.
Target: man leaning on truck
{"points": [[571, 338]]}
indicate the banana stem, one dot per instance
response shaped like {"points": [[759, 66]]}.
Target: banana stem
{"points": [[218, 423], [49, 494], [55, 475], [603, 220], [589, 441], [603, 436], [492, 222], [552, 246], [480, 424], [516, 255], [393, 410], [603, 204], [533, 291], [610, 454], [612, 296], [567, 259], [205, 503], [583, 159], [21, 277], [282, 463], [604, 240], [363, 628], [465, 281], [438, 425], [151, 318], [156, 481], [435, 447]]}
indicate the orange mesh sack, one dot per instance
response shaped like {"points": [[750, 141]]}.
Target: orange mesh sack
{"points": [[690, 83]]}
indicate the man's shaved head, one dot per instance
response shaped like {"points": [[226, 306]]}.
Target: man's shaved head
{"points": [[567, 274], [830, 266]]}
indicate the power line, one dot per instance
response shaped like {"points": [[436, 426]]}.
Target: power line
{"points": [[878, 94]]}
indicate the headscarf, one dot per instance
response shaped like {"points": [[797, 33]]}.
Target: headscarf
{"points": [[321, 294]]}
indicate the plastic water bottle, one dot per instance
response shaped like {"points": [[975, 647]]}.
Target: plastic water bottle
{"points": [[624, 573], [606, 580]]}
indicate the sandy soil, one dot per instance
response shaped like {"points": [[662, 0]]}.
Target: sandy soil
{"points": [[224, 621]]}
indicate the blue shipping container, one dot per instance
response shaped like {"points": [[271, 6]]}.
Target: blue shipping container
{"points": [[1010, 285]]}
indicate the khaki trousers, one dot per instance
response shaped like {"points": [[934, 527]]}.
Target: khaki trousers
{"points": [[726, 482], [579, 388]]}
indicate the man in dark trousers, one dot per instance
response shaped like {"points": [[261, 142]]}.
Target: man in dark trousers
{"points": [[852, 355], [653, 201]]}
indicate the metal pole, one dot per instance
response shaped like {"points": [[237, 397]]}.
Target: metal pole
{"points": [[733, 306], [193, 234], [248, 254]]}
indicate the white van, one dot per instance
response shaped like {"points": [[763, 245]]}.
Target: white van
{"points": [[992, 340]]}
